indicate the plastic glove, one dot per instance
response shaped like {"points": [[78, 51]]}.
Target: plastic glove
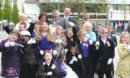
{"points": [[74, 58], [90, 42], [7, 44], [66, 50], [109, 61], [59, 41], [71, 61], [41, 52], [31, 41], [80, 56], [12, 44], [55, 52], [53, 66], [49, 73]]}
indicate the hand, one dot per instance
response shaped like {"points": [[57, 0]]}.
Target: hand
{"points": [[109, 61], [71, 24], [41, 52], [90, 42], [80, 56], [71, 61], [58, 41], [7, 44], [74, 58], [55, 52], [12, 44], [31, 41], [49, 73]]}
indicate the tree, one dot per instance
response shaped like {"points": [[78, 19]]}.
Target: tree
{"points": [[1, 10], [15, 15], [7, 10]]}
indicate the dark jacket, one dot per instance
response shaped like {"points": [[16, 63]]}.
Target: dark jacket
{"points": [[43, 68]]}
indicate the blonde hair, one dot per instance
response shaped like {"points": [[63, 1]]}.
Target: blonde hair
{"points": [[61, 28], [80, 33], [122, 34]]}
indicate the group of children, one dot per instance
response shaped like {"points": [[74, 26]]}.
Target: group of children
{"points": [[36, 52]]}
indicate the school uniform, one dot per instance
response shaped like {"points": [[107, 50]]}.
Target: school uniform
{"points": [[87, 56], [75, 65], [44, 68], [45, 44], [73, 40], [28, 60], [104, 52]]}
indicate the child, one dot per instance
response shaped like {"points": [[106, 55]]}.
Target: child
{"points": [[47, 67], [87, 54], [28, 56], [10, 58], [73, 59], [123, 66], [60, 40], [64, 70], [46, 42], [105, 54], [71, 35]]}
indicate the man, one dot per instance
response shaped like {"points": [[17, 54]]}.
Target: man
{"points": [[68, 18], [56, 20], [85, 18]]}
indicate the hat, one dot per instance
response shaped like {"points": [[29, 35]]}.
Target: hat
{"points": [[25, 33]]}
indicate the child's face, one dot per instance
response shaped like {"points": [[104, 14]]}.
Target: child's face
{"points": [[73, 50], [59, 31], [48, 57], [99, 28], [125, 38], [82, 28], [25, 38], [44, 27], [13, 36], [88, 28], [69, 33], [82, 37], [104, 33], [37, 26], [21, 27]]}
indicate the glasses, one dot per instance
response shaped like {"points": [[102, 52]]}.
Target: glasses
{"points": [[104, 32]]}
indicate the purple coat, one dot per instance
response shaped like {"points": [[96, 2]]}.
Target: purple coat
{"points": [[9, 60]]}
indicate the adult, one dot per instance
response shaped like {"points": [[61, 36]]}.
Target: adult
{"points": [[22, 18], [68, 18], [85, 18], [43, 17]]}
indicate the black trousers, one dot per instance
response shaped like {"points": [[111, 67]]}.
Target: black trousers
{"points": [[88, 66], [28, 71], [107, 70]]}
